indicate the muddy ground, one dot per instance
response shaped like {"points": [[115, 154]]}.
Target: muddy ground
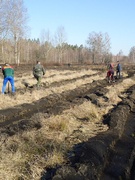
{"points": [[109, 154]]}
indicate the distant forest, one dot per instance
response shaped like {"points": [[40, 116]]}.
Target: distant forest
{"points": [[16, 48]]}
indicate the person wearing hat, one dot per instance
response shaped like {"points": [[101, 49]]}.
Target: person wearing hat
{"points": [[8, 73], [118, 70], [38, 72]]}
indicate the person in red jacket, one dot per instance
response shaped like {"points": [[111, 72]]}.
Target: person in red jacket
{"points": [[110, 75], [8, 73]]}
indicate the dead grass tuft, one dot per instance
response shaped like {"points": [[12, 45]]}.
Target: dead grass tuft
{"points": [[58, 124], [86, 111]]}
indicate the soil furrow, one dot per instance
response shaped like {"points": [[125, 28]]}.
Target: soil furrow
{"points": [[52, 104], [121, 157], [109, 155], [58, 83]]}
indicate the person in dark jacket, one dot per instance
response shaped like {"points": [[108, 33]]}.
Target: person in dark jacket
{"points": [[38, 72], [118, 70], [8, 73]]}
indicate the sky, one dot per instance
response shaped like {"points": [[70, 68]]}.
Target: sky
{"points": [[79, 18]]}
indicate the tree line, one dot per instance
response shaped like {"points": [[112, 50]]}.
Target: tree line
{"points": [[16, 47]]}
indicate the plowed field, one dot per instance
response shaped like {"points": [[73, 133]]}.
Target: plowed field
{"points": [[76, 126]]}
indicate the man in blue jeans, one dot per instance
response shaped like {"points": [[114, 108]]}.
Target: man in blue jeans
{"points": [[8, 73]]}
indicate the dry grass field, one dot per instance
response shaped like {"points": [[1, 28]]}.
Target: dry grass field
{"points": [[40, 127]]}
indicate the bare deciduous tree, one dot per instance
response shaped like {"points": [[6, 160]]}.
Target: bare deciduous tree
{"points": [[60, 39], [46, 44], [17, 19], [119, 55], [99, 46], [132, 54], [4, 26]]}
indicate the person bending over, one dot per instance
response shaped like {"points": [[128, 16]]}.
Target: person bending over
{"points": [[8, 73], [110, 75]]}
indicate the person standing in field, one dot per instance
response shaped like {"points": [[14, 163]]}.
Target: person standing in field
{"points": [[8, 73], [38, 72], [110, 73], [118, 70]]}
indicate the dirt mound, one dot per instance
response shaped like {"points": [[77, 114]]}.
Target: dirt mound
{"points": [[110, 155]]}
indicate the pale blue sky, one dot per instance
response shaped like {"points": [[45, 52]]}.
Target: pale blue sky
{"points": [[81, 17]]}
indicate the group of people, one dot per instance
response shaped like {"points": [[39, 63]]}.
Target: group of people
{"points": [[110, 72], [39, 72], [8, 73]]}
